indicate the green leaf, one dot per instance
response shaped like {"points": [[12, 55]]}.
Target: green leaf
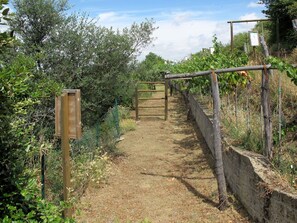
{"points": [[5, 12]]}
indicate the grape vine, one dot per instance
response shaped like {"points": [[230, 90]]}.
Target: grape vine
{"points": [[283, 66], [221, 58]]}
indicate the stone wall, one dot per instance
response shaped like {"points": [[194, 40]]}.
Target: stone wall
{"points": [[249, 176]]}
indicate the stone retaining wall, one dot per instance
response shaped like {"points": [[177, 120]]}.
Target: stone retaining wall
{"points": [[248, 175]]}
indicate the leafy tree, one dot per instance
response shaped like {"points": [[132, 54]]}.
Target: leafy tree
{"points": [[283, 11], [152, 68], [6, 38], [19, 94], [34, 20], [75, 51], [97, 60]]}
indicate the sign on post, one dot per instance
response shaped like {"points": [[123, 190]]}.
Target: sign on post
{"points": [[74, 114], [67, 125], [254, 37]]}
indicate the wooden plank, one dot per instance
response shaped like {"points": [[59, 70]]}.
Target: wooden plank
{"points": [[78, 114], [161, 106], [151, 115], [74, 122], [219, 167], [219, 71], [152, 82], [150, 91], [151, 99], [65, 152]]}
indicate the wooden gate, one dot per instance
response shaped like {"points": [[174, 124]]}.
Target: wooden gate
{"points": [[153, 87]]}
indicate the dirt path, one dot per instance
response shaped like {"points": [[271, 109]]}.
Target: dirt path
{"points": [[164, 176]]}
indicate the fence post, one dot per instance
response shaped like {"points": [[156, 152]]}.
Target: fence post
{"points": [[136, 104], [219, 167], [65, 152], [42, 175], [265, 101], [115, 114], [97, 134], [166, 100]]}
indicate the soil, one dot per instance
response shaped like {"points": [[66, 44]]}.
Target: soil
{"points": [[165, 175]]}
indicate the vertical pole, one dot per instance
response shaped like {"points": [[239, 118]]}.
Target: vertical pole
{"points": [[171, 88], [65, 152], [248, 106], [166, 100], [231, 32], [219, 167], [115, 114], [265, 100], [43, 175], [279, 108], [277, 37], [136, 104], [97, 134], [236, 105]]}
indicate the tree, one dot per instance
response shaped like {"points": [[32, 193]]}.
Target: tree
{"points": [[98, 60], [282, 12], [34, 20], [152, 68]]}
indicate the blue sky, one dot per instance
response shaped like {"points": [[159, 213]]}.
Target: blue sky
{"points": [[185, 26]]}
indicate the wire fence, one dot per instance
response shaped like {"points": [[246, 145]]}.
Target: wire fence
{"points": [[89, 156]]}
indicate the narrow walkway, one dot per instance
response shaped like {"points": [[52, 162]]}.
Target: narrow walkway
{"points": [[164, 176]]}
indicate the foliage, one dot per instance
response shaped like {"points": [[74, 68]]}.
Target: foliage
{"points": [[97, 60], [33, 28], [221, 58], [152, 68], [37, 210], [6, 38], [284, 67], [18, 145], [284, 11], [75, 51]]}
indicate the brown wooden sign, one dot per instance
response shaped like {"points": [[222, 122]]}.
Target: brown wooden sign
{"points": [[74, 113]]}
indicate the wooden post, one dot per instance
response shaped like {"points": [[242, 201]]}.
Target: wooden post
{"points": [[136, 104], [42, 175], [166, 100], [231, 33], [219, 167], [65, 152], [265, 101]]}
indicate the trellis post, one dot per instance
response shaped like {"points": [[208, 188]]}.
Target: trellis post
{"points": [[265, 101], [219, 167]]}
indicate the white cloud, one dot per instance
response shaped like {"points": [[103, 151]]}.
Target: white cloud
{"points": [[257, 4], [115, 20], [179, 33], [249, 16]]}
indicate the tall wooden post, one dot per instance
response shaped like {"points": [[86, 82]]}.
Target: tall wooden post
{"points": [[166, 100], [219, 167], [136, 104], [265, 101], [232, 38], [65, 152]]}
